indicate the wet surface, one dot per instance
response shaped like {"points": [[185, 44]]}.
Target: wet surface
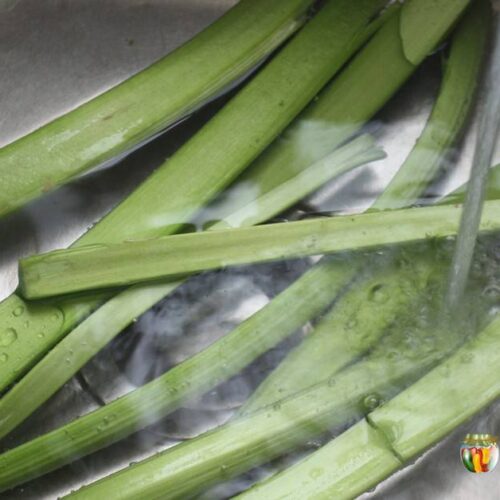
{"points": [[59, 53]]}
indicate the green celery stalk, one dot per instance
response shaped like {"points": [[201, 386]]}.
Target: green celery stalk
{"points": [[202, 167], [399, 430], [326, 350], [359, 91], [101, 266], [304, 299], [449, 114], [357, 152], [90, 336], [187, 469], [128, 114]]}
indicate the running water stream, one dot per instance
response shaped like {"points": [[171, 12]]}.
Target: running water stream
{"points": [[487, 135]]}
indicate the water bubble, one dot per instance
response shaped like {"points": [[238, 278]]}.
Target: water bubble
{"points": [[467, 357], [4, 357], [7, 337], [277, 406], [18, 311], [351, 323], [332, 381], [379, 294], [315, 473], [371, 402], [392, 355], [56, 316], [314, 443], [492, 292]]}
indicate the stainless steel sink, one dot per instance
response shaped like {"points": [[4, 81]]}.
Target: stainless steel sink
{"points": [[57, 54]]}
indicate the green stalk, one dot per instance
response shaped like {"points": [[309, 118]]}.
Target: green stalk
{"points": [[492, 189], [128, 114], [88, 338], [353, 326], [449, 114], [202, 167], [398, 431], [103, 266], [357, 152], [327, 350], [304, 299], [359, 91], [233, 448]]}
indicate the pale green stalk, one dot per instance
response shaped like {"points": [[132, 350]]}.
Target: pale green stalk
{"points": [[88, 338], [130, 113], [398, 431], [104, 266], [202, 167], [358, 151]]}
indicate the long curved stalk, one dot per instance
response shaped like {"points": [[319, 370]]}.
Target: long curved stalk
{"points": [[203, 166], [398, 431], [121, 118], [449, 114], [90, 336]]}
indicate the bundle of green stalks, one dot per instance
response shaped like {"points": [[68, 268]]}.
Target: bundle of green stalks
{"points": [[207, 163], [359, 354]]}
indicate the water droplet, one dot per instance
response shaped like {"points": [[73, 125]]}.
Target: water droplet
{"points": [[41, 335], [26, 324], [277, 406], [18, 311], [379, 294], [351, 323], [4, 357], [315, 473], [332, 381], [7, 337], [492, 292], [467, 357], [371, 402], [444, 370]]}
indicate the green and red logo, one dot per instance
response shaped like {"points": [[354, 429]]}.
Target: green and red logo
{"points": [[479, 452]]}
